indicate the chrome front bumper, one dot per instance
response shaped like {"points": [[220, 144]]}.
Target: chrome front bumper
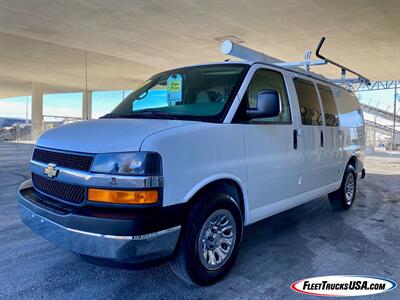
{"points": [[132, 249]]}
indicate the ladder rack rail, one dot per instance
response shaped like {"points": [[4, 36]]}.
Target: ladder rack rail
{"points": [[242, 52], [344, 69]]}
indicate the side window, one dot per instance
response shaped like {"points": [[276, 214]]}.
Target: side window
{"points": [[268, 79], [328, 103], [349, 108], [308, 102]]}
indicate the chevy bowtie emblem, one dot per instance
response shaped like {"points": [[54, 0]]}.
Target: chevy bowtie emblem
{"points": [[51, 171]]}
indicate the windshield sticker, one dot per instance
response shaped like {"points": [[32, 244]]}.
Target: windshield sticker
{"points": [[174, 89]]}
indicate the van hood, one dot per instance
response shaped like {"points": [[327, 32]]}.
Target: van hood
{"points": [[105, 135]]}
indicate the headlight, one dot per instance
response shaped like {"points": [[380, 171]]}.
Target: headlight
{"points": [[128, 163]]}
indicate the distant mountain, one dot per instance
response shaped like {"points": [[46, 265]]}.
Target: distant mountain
{"points": [[8, 122]]}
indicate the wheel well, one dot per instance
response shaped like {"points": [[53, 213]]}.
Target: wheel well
{"points": [[226, 185], [353, 162]]}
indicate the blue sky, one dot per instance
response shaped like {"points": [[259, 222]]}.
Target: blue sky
{"points": [[103, 102], [69, 104]]}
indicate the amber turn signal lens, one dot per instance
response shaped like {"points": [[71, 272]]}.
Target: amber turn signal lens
{"points": [[123, 197]]}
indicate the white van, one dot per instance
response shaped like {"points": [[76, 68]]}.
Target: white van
{"points": [[188, 159]]}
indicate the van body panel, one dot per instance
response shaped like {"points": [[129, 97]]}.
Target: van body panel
{"points": [[104, 135], [269, 153], [314, 173], [288, 203], [195, 155], [332, 151], [352, 129]]}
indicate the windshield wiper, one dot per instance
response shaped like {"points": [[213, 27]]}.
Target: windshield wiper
{"points": [[110, 115], [155, 113], [142, 114]]}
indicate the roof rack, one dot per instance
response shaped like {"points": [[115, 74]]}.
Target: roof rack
{"points": [[242, 52], [360, 78]]}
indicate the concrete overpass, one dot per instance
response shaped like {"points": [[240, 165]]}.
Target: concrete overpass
{"points": [[45, 44]]}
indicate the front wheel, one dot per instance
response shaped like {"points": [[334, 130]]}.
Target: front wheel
{"points": [[343, 198], [210, 240]]}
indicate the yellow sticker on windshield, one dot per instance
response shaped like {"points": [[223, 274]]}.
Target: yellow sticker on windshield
{"points": [[174, 86], [174, 89]]}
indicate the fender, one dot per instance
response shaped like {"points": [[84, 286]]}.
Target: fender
{"points": [[207, 180], [353, 155]]}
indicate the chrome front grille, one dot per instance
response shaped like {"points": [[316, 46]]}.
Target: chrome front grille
{"points": [[68, 160], [74, 194]]}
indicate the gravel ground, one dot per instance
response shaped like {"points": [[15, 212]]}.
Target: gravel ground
{"points": [[310, 240]]}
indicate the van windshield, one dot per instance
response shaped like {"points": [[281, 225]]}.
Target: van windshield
{"points": [[194, 93]]}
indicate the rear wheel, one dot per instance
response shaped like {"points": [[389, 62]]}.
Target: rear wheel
{"points": [[343, 198], [210, 240]]}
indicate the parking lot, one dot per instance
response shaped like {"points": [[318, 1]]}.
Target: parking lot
{"points": [[307, 241]]}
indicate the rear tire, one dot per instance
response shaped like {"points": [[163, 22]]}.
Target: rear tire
{"points": [[210, 240], [343, 198]]}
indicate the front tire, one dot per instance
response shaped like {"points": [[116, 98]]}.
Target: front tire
{"points": [[210, 240], [343, 198]]}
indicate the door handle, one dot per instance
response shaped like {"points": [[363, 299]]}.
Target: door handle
{"points": [[295, 133], [322, 138]]}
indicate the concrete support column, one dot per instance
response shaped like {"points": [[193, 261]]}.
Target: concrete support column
{"points": [[37, 110], [86, 105]]}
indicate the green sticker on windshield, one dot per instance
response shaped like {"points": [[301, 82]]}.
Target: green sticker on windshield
{"points": [[174, 89]]}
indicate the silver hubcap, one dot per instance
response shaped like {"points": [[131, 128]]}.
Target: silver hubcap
{"points": [[349, 188], [217, 239]]}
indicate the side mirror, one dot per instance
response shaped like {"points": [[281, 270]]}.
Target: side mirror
{"points": [[267, 105]]}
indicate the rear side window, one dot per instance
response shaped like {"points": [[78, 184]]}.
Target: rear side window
{"points": [[349, 108], [328, 103], [308, 101]]}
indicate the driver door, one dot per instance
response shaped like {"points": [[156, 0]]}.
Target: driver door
{"points": [[270, 151]]}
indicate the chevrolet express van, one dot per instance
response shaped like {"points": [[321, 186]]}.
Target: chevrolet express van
{"points": [[188, 159]]}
